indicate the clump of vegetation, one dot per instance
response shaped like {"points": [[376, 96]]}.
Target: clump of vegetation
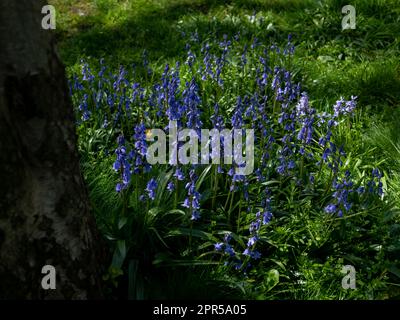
{"points": [[324, 189]]}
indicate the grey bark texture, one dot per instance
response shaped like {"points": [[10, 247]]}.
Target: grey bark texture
{"points": [[44, 212]]}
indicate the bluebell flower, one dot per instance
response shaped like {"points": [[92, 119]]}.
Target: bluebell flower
{"points": [[175, 109], [151, 188], [375, 187], [276, 79], [192, 201], [255, 226], [219, 62], [255, 43], [83, 107], [291, 164], [289, 46], [343, 107], [120, 80], [341, 200], [376, 173], [195, 215], [302, 108], [171, 186], [195, 37], [252, 253], [191, 57], [247, 252], [267, 216], [225, 44], [237, 117], [255, 254], [207, 60], [229, 250], [252, 241], [119, 187], [122, 164], [243, 57], [145, 61], [186, 203], [140, 149], [331, 208], [216, 119], [361, 190], [281, 169], [326, 154], [140, 139], [191, 101], [227, 237], [179, 174], [86, 72]]}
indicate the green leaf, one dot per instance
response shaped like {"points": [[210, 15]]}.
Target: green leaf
{"points": [[135, 282], [280, 264], [122, 221], [185, 263], [326, 58], [394, 270], [119, 254], [192, 232], [271, 279], [121, 247], [267, 183]]}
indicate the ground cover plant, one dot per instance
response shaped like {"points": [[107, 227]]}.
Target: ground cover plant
{"points": [[323, 104]]}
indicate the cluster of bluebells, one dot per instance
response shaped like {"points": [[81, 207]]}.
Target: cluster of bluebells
{"points": [[374, 185], [229, 252], [225, 246], [343, 107], [341, 198], [292, 140], [263, 217], [341, 201], [140, 149], [122, 164]]}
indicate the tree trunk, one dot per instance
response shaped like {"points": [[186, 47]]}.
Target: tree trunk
{"points": [[44, 212]]}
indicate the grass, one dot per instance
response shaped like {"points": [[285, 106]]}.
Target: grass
{"points": [[363, 62], [308, 251]]}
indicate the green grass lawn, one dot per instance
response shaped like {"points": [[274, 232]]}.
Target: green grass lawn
{"points": [[307, 250]]}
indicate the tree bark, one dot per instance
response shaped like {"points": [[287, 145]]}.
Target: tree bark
{"points": [[44, 212]]}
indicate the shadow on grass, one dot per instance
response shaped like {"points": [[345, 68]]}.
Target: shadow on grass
{"points": [[157, 29]]}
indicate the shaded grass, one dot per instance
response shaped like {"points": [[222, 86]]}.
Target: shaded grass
{"points": [[364, 62], [376, 83]]}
